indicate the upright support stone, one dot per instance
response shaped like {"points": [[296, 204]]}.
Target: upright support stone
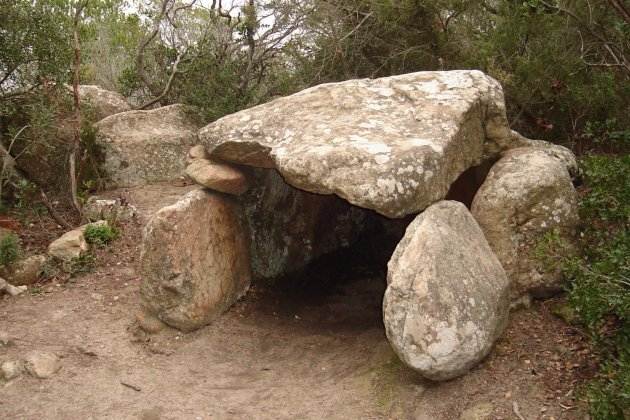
{"points": [[446, 301], [528, 199], [195, 260]]}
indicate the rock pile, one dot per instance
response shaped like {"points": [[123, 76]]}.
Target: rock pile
{"points": [[301, 176], [37, 363]]}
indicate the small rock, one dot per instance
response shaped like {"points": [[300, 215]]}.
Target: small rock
{"points": [[70, 245], [10, 289], [217, 176], [5, 339], [197, 152], [149, 323], [12, 369], [41, 364], [99, 209], [25, 271], [16, 290], [479, 411]]}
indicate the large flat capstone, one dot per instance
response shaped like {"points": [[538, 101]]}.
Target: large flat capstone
{"points": [[393, 145]]}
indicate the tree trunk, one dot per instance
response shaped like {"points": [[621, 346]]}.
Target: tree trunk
{"points": [[77, 107]]}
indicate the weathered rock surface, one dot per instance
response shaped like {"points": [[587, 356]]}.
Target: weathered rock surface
{"points": [[197, 152], [108, 209], [447, 297], [70, 245], [25, 271], [393, 144], [149, 323], [217, 176], [289, 228], [142, 147], [528, 194], [560, 153], [41, 364], [194, 260], [103, 102]]}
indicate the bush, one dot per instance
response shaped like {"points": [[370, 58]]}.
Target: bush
{"points": [[82, 264], [9, 249], [100, 235], [600, 288]]}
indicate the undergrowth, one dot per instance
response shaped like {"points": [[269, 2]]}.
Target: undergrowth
{"points": [[9, 249], [100, 235], [599, 291]]}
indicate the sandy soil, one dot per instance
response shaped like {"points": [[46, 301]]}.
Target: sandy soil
{"points": [[274, 355]]}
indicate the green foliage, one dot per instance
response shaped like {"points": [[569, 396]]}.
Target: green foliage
{"points": [[34, 46], [552, 58], [600, 288], [82, 264], [100, 235], [551, 250], [608, 198], [9, 249]]}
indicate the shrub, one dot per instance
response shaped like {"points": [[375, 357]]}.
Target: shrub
{"points": [[82, 264], [9, 249], [600, 287], [100, 235]]}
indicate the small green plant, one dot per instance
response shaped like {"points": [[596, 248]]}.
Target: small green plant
{"points": [[551, 250], [83, 264], [100, 235], [9, 249], [35, 290]]}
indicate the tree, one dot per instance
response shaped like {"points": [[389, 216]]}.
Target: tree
{"points": [[217, 59]]}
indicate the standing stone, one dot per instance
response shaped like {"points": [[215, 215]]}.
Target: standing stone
{"points": [[527, 198], [447, 297], [194, 260], [142, 147]]}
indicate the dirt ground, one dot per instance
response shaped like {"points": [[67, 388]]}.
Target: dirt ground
{"points": [[274, 355]]}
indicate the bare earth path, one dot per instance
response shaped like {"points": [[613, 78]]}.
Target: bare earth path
{"points": [[272, 356]]}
